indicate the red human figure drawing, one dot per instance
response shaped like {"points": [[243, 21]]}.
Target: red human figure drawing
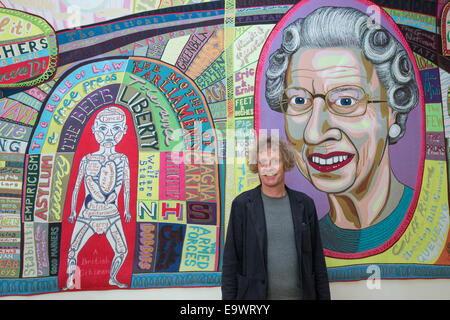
{"points": [[104, 173]]}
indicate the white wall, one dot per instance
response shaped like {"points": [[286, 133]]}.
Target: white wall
{"points": [[436, 289], [423, 289]]}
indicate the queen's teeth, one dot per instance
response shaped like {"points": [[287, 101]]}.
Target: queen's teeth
{"points": [[329, 161]]}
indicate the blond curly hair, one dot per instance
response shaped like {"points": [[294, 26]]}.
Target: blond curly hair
{"points": [[264, 142]]}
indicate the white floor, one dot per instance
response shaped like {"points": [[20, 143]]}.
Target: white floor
{"points": [[436, 289]]}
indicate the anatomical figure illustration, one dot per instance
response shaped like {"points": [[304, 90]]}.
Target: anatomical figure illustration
{"points": [[104, 172]]}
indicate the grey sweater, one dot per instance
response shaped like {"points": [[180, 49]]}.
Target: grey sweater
{"points": [[283, 270]]}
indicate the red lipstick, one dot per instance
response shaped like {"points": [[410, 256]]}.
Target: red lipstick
{"points": [[330, 161]]}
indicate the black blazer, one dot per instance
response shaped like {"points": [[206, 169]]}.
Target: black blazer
{"points": [[245, 252]]}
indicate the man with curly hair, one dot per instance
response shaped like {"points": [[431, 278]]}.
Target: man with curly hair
{"points": [[273, 248]]}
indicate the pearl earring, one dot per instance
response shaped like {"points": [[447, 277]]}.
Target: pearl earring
{"points": [[394, 130]]}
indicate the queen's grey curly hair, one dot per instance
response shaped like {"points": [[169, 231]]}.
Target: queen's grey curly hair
{"points": [[330, 27]]}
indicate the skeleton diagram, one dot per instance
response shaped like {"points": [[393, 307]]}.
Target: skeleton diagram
{"points": [[104, 172]]}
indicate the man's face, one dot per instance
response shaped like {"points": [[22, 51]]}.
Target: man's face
{"points": [[337, 151], [109, 128], [270, 167]]}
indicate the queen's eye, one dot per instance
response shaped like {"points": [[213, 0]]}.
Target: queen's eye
{"points": [[298, 100], [346, 102], [345, 96]]}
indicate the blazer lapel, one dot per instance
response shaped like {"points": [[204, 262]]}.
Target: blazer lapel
{"points": [[258, 219], [298, 214]]}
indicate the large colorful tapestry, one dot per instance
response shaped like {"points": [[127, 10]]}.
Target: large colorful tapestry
{"points": [[125, 128]]}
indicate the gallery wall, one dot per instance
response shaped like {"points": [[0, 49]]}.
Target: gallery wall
{"points": [[125, 128]]}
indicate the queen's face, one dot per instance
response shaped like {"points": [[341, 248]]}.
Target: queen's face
{"points": [[339, 144]]}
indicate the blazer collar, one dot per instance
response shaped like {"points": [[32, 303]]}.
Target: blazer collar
{"points": [[258, 218], [297, 207]]}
